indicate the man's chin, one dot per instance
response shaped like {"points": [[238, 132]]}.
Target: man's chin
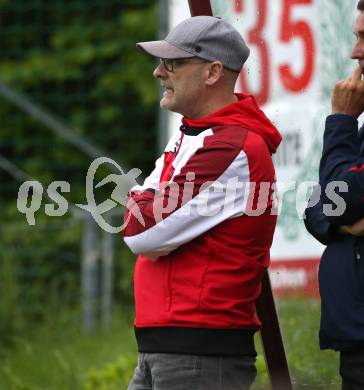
{"points": [[165, 104]]}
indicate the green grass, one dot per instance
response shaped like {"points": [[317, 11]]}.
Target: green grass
{"points": [[57, 356], [310, 368]]}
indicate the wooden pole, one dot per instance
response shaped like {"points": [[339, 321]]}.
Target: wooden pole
{"points": [[200, 7], [275, 356]]}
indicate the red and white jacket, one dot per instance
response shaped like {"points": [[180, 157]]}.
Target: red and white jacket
{"points": [[202, 225]]}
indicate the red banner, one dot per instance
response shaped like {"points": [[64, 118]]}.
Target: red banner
{"points": [[297, 277]]}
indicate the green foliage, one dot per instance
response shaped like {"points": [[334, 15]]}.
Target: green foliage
{"points": [[78, 60], [9, 291], [34, 274], [56, 355], [113, 376]]}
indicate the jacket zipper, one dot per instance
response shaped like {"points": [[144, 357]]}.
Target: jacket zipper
{"points": [[357, 254]]}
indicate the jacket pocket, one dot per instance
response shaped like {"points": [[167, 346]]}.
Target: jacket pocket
{"points": [[188, 266]]}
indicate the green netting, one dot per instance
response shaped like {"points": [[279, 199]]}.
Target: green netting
{"points": [[78, 61]]}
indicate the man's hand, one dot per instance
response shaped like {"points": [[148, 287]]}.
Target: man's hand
{"points": [[348, 95], [356, 229]]}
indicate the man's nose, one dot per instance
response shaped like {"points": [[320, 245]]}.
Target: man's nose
{"points": [[358, 51], [160, 72]]}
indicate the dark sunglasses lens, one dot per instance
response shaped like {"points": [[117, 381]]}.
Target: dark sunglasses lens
{"points": [[168, 64]]}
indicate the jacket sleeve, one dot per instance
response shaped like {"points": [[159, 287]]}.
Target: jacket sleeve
{"points": [[195, 201], [317, 224], [342, 171]]}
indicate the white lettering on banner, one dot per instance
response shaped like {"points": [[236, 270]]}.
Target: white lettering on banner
{"points": [[288, 277]]}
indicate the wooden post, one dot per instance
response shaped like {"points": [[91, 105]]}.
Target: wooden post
{"points": [[275, 356], [200, 7]]}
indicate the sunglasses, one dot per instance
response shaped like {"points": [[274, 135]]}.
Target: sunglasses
{"points": [[170, 63]]}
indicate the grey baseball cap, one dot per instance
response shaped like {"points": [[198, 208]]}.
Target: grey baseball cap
{"points": [[206, 37]]}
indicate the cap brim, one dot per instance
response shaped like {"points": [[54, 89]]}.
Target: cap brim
{"points": [[163, 49]]}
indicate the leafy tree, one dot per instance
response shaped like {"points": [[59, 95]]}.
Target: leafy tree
{"points": [[78, 60]]}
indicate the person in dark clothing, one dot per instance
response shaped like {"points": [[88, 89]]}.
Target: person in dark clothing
{"points": [[337, 221]]}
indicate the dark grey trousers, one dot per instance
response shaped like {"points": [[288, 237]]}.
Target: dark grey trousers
{"points": [[352, 370], [156, 371]]}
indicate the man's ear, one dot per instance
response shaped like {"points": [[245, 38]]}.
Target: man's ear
{"points": [[215, 72]]}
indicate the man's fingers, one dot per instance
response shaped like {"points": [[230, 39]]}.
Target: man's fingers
{"points": [[356, 76], [353, 78], [341, 83]]}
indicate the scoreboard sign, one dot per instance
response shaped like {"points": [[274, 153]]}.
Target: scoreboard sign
{"points": [[299, 49]]}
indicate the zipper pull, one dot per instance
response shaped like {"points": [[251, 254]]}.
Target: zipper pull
{"points": [[178, 144]]}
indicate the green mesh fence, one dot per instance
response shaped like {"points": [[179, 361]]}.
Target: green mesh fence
{"points": [[76, 61]]}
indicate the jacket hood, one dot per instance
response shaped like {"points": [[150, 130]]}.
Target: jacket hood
{"points": [[245, 113]]}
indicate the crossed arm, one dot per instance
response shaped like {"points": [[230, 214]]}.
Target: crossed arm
{"points": [[356, 229], [342, 161]]}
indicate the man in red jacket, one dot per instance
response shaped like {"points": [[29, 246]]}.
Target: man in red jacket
{"points": [[203, 221]]}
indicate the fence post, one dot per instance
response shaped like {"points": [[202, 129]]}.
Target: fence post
{"points": [[107, 259], [89, 272]]}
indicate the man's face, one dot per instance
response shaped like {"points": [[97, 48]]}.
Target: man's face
{"points": [[184, 87], [358, 49]]}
